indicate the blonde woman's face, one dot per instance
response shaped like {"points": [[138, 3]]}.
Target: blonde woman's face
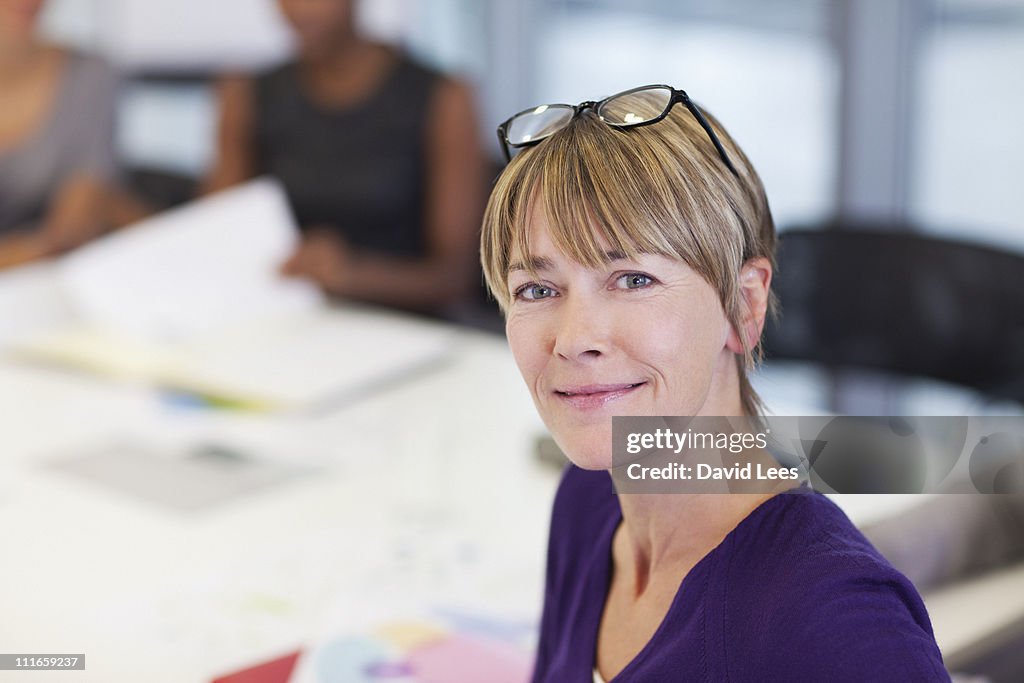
{"points": [[630, 337]]}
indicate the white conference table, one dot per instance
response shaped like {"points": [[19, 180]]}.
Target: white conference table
{"points": [[425, 491]]}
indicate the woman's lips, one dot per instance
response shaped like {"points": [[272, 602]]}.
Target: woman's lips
{"points": [[592, 396]]}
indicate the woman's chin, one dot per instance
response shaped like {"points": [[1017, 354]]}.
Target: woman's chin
{"points": [[594, 465], [587, 456]]}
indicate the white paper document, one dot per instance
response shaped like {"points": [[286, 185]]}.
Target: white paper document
{"points": [[191, 299], [185, 272]]}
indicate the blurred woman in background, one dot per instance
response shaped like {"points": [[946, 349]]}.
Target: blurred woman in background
{"points": [[56, 140], [379, 155]]}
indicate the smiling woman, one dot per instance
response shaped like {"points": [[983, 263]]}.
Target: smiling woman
{"points": [[597, 342], [631, 248]]}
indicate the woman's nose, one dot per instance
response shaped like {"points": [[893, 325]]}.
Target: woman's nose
{"points": [[581, 330]]}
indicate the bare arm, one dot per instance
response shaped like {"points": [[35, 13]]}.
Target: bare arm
{"points": [[454, 191], [76, 214], [21, 247], [234, 161]]}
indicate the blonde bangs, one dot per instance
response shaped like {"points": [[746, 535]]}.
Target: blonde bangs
{"points": [[603, 189]]}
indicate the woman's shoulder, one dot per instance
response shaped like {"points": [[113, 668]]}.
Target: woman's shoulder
{"points": [[419, 81], [88, 93], [817, 597], [283, 72], [412, 66], [803, 538], [87, 67], [801, 554]]}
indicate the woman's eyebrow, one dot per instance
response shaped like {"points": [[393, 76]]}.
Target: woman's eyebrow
{"points": [[615, 255], [542, 263], [532, 264]]}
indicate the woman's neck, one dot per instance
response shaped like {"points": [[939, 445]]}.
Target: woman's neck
{"points": [[347, 73], [663, 534], [345, 52]]}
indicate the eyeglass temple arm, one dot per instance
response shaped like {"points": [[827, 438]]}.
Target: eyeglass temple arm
{"points": [[503, 142], [685, 99]]}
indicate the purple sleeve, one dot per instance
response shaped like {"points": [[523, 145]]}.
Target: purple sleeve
{"points": [[854, 623], [873, 640]]}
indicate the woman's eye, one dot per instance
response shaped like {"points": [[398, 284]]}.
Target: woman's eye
{"points": [[635, 281], [534, 292]]}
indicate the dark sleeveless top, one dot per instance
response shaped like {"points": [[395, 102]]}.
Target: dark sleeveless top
{"points": [[360, 170]]}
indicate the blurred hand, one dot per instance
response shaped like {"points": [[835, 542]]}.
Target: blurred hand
{"points": [[77, 214], [323, 257], [61, 238], [23, 246]]}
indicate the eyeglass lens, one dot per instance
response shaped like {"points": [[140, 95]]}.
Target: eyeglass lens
{"points": [[539, 123], [638, 106]]}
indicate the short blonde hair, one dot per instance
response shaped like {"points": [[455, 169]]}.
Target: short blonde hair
{"points": [[660, 189]]}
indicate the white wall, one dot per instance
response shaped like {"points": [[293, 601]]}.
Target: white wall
{"points": [[175, 34]]}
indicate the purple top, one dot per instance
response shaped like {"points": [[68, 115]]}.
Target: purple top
{"points": [[793, 593]]}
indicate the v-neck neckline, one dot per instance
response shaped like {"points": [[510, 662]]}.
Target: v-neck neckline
{"points": [[700, 569]]}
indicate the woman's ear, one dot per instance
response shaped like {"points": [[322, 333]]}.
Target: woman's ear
{"points": [[755, 282]]}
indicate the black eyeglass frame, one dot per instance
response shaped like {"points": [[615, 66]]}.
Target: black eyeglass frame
{"points": [[677, 97]]}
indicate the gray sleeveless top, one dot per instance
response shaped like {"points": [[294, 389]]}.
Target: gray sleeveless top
{"points": [[359, 171], [76, 137]]}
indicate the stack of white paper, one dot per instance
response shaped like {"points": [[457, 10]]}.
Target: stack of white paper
{"points": [[192, 299], [194, 269]]}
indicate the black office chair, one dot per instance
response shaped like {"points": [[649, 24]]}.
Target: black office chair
{"points": [[863, 297]]}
